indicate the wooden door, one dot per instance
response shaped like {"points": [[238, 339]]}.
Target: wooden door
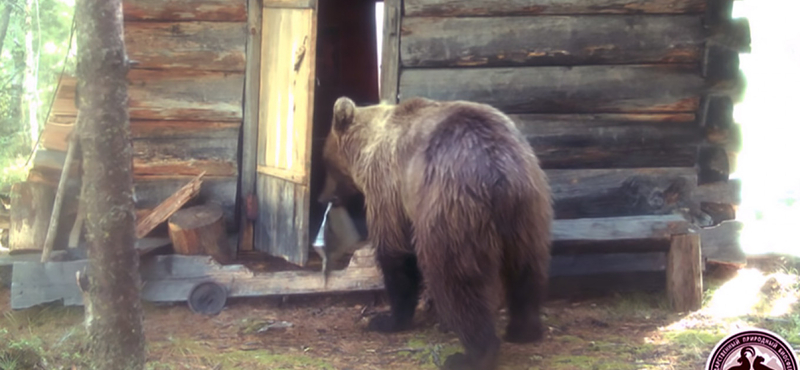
{"points": [[286, 101]]}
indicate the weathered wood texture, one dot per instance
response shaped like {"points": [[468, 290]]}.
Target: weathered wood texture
{"points": [[728, 192], [185, 95], [288, 80], [632, 234], [551, 40], [151, 191], [201, 230], [390, 58], [185, 10], [169, 206], [685, 273], [31, 206], [720, 244], [612, 140], [209, 46], [415, 8], [621, 192], [581, 89], [249, 137]]}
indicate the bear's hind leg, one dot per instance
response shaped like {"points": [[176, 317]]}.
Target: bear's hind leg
{"points": [[524, 295], [402, 280]]}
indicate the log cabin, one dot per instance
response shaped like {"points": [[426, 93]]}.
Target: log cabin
{"points": [[628, 104]]}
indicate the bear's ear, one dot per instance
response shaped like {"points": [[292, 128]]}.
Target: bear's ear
{"points": [[344, 111]]}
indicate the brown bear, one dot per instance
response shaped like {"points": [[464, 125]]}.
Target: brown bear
{"points": [[454, 195]]}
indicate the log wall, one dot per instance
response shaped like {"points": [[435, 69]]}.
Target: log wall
{"points": [[628, 103], [185, 100]]}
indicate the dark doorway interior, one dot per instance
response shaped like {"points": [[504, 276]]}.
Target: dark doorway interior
{"points": [[347, 65]]}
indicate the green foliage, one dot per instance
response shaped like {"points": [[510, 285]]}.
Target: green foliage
{"points": [[51, 22]]}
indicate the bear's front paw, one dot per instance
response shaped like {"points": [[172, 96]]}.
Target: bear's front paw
{"points": [[458, 361], [385, 323], [523, 333]]}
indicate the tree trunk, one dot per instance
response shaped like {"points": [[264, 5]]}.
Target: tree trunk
{"points": [[116, 334], [29, 83], [5, 19]]}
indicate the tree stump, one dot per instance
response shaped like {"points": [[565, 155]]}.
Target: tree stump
{"points": [[31, 207], [200, 230]]}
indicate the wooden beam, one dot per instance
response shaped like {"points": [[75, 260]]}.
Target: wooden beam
{"points": [[551, 40], [390, 57], [721, 244], [185, 10], [726, 192], [250, 126], [685, 273], [619, 228], [459, 8], [565, 141], [581, 89], [152, 190], [621, 192], [207, 46], [169, 206], [185, 95]]}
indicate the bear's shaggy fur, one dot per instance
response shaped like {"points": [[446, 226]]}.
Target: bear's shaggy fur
{"points": [[455, 195]]}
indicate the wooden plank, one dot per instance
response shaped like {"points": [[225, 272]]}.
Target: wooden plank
{"points": [[390, 57], [288, 62], [459, 8], [150, 191], [250, 126], [685, 273], [619, 228], [621, 192], [612, 140], [208, 46], [168, 206], [581, 89], [725, 192], [185, 95], [185, 10], [720, 244], [551, 40]]}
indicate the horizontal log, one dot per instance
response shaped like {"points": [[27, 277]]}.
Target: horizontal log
{"points": [[64, 102], [713, 165], [151, 191], [726, 192], [449, 8], [733, 34], [185, 10], [208, 46], [178, 167], [185, 95], [55, 136], [184, 129], [551, 40], [621, 192], [619, 228], [721, 244], [612, 140], [720, 63], [581, 89]]}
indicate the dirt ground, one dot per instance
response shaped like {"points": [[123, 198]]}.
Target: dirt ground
{"points": [[631, 331]]}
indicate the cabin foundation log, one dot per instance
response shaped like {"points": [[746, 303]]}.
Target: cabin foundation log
{"points": [[685, 273]]}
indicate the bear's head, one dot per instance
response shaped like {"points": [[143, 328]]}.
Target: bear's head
{"points": [[341, 146]]}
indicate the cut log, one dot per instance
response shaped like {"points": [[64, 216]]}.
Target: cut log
{"points": [[718, 11], [727, 192], [185, 95], [200, 230], [31, 207], [185, 10], [718, 212], [64, 103], [721, 244], [685, 273], [612, 140], [169, 206], [551, 40], [720, 64], [207, 46], [621, 192], [458, 8], [54, 136], [151, 191], [581, 89], [733, 34], [714, 165]]}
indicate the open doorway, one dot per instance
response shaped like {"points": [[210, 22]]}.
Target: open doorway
{"points": [[349, 38]]}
